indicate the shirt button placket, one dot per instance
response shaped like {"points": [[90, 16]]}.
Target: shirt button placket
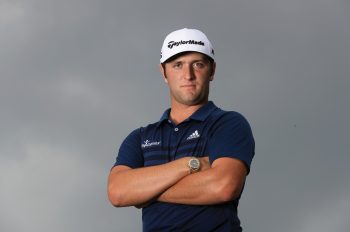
{"points": [[176, 141]]}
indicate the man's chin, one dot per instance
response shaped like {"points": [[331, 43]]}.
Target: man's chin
{"points": [[193, 101]]}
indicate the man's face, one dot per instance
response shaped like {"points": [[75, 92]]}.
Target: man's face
{"points": [[188, 77]]}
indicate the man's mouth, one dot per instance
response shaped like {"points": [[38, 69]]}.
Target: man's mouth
{"points": [[189, 86]]}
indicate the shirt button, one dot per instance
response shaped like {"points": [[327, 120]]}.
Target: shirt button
{"points": [[176, 129], [169, 121]]}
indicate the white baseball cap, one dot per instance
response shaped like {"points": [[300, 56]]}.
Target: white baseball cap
{"points": [[185, 40]]}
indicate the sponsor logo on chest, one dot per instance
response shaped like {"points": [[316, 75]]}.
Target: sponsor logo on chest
{"points": [[148, 143]]}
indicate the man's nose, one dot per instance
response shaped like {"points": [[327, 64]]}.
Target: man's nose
{"points": [[188, 72]]}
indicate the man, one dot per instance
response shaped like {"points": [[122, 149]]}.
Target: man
{"points": [[186, 171]]}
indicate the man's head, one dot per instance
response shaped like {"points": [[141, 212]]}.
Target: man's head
{"points": [[187, 65], [185, 40]]}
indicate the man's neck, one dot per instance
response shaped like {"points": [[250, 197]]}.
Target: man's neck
{"points": [[180, 112]]}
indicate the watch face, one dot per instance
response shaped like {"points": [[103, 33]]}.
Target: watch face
{"points": [[194, 164]]}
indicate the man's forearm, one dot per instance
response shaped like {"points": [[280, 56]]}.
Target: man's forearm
{"points": [[221, 183], [196, 189], [128, 186]]}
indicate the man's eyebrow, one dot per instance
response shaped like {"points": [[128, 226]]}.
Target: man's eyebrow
{"points": [[203, 60], [192, 61]]}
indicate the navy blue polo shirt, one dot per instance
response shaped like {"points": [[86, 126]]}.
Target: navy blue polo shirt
{"points": [[209, 131]]}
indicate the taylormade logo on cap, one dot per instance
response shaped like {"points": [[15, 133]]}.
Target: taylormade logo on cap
{"points": [[186, 40], [171, 44]]}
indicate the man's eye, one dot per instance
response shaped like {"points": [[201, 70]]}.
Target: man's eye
{"points": [[177, 65], [198, 65]]}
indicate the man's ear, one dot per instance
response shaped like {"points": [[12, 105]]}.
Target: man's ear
{"points": [[162, 71], [212, 71]]}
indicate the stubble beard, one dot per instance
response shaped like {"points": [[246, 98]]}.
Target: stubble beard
{"points": [[192, 98]]}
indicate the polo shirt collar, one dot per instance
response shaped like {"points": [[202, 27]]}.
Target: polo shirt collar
{"points": [[200, 115]]}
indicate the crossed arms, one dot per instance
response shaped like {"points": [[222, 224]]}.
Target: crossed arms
{"points": [[172, 182]]}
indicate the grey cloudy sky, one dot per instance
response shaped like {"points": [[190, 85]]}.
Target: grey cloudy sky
{"points": [[77, 76]]}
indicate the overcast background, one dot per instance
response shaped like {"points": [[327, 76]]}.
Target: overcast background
{"points": [[77, 76]]}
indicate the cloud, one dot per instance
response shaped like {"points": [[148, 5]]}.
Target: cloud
{"points": [[10, 12], [332, 215], [37, 184]]}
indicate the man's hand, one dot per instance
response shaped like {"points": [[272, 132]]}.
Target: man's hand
{"points": [[204, 163]]}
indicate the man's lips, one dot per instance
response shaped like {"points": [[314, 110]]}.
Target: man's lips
{"points": [[188, 86]]}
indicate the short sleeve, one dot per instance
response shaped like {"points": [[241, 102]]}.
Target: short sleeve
{"points": [[232, 137], [130, 153]]}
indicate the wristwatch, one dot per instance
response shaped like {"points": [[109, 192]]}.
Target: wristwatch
{"points": [[194, 164]]}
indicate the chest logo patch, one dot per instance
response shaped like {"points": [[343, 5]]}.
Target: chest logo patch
{"points": [[148, 143], [194, 135]]}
